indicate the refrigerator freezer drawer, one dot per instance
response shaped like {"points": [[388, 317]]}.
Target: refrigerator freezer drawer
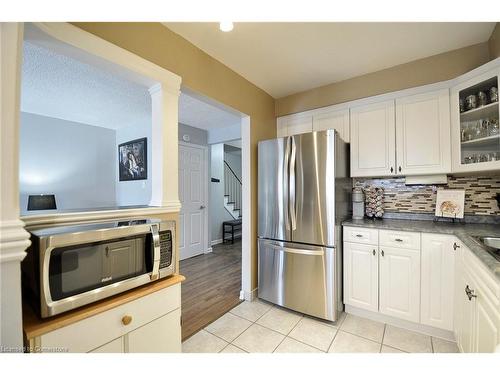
{"points": [[300, 277]]}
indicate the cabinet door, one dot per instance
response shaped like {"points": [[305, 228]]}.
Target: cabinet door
{"points": [[162, 335], [115, 346], [487, 324], [361, 276], [400, 283], [437, 275], [373, 140], [334, 119], [465, 314], [281, 127], [475, 143], [423, 142], [299, 123]]}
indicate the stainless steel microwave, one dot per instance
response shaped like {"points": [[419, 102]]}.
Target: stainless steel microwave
{"points": [[71, 266]]}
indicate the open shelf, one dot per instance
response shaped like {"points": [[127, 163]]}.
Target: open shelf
{"points": [[488, 110], [491, 140]]}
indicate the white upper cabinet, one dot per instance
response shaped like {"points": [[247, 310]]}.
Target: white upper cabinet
{"points": [[295, 124], [475, 127], [373, 140], [438, 273], [333, 119], [423, 134]]}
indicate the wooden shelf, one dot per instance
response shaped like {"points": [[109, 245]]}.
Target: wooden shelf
{"points": [[485, 111], [491, 140]]}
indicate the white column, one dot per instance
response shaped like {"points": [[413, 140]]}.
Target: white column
{"points": [[246, 228], [164, 152], [13, 238]]}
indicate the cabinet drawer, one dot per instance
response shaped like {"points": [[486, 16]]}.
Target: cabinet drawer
{"points": [[403, 240], [93, 332], [361, 235]]}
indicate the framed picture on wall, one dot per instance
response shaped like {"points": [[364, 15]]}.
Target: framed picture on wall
{"points": [[132, 159]]}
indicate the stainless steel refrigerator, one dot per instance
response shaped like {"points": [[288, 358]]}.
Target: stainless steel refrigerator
{"points": [[304, 194]]}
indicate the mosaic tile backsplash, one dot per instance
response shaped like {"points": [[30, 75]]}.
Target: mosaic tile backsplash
{"points": [[480, 193]]}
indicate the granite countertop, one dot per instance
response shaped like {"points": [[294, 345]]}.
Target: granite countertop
{"points": [[464, 232]]}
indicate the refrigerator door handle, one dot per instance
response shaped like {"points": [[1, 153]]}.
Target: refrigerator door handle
{"points": [[293, 213], [286, 195], [296, 251]]}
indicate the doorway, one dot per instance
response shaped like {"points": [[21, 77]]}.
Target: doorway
{"points": [[211, 192]]}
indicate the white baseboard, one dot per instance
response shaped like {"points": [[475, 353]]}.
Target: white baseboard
{"points": [[249, 295], [417, 327], [209, 250], [216, 242]]}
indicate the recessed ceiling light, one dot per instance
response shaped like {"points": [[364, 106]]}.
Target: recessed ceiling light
{"points": [[226, 26]]}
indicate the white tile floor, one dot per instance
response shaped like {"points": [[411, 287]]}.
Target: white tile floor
{"points": [[260, 327]]}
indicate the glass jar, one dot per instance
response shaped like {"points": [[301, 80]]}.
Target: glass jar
{"points": [[482, 98], [471, 102], [493, 127]]}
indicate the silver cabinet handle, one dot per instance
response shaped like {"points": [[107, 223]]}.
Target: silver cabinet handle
{"points": [[374, 252], [382, 252], [470, 293], [202, 207], [398, 240], [455, 246], [359, 235]]}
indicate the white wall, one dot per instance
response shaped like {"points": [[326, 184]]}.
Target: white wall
{"points": [[218, 213], [74, 161], [133, 193], [195, 135], [224, 134], [233, 158]]}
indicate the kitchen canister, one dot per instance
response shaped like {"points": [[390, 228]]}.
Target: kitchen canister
{"points": [[358, 203], [374, 199]]}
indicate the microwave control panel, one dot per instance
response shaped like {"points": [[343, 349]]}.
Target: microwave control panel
{"points": [[166, 248]]}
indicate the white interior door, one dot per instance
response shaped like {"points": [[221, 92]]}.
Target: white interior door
{"points": [[192, 188]]}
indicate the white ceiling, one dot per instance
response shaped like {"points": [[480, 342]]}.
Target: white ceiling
{"points": [[285, 58], [55, 85], [59, 86], [196, 112]]}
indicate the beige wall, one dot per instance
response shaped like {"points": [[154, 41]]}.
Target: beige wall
{"points": [[494, 42], [416, 73], [203, 74]]}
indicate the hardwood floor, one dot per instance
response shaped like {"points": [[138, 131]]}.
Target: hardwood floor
{"points": [[212, 286]]}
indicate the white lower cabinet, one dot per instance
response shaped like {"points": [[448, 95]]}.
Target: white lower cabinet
{"points": [[429, 279], [400, 283], [149, 324], [159, 336], [361, 275], [477, 307], [115, 346], [438, 280]]}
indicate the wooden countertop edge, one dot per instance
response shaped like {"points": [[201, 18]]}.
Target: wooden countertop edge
{"points": [[34, 326]]}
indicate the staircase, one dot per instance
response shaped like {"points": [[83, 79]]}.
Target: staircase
{"points": [[232, 192]]}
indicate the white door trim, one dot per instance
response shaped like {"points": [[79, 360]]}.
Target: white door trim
{"points": [[206, 245], [247, 236]]}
